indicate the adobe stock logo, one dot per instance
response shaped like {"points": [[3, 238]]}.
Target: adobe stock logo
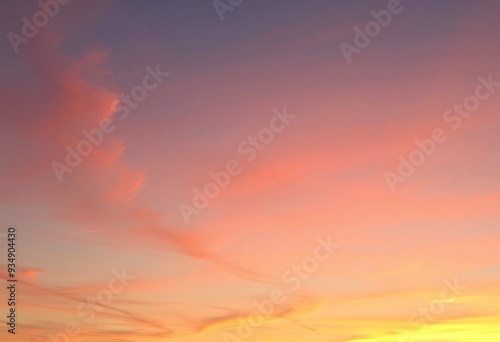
{"points": [[430, 313], [223, 6], [293, 277], [92, 306], [456, 116], [221, 179], [29, 29], [363, 37], [94, 137]]}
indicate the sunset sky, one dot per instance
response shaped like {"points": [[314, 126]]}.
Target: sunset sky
{"points": [[357, 194]]}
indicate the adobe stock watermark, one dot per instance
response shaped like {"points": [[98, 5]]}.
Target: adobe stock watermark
{"points": [[363, 37], [223, 6], [88, 309], [454, 116], [249, 148], [30, 28], [94, 137], [429, 313], [294, 278]]}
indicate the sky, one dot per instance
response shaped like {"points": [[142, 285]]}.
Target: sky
{"points": [[253, 171]]}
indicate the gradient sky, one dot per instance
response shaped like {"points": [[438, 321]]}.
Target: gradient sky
{"points": [[323, 175]]}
